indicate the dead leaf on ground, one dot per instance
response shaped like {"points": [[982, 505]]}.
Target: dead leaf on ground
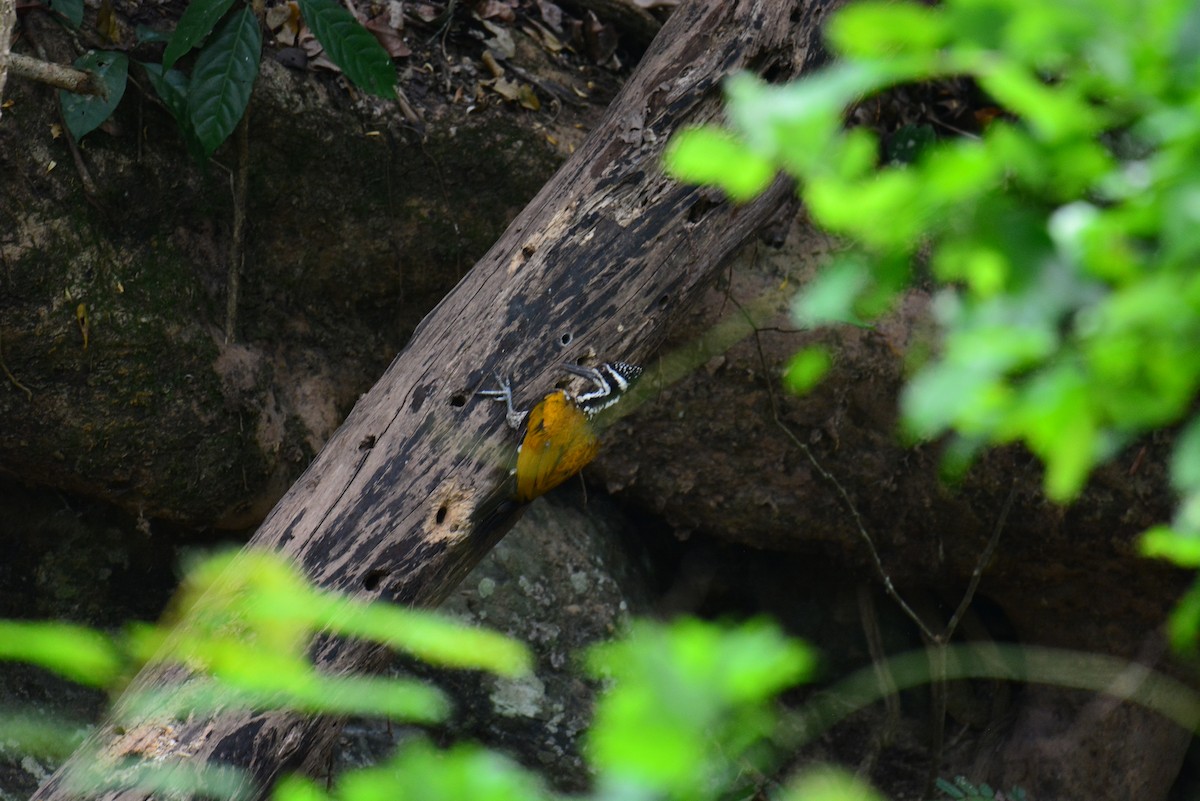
{"points": [[317, 60], [493, 66], [521, 93], [81, 317], [496, 9], [284, 23], [509, 90], [106, 22], [425, 12], [601, 38], [528, 98], [542, 35], [501, 40], [552, 14], [388, 35]]}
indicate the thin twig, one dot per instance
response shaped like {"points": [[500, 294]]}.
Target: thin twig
{"points": [[980, 565], [936, 652], [888, 586], [90, 192], [837, 485], [938, 648], [59, 76], [28, 392], [237, 236], [936, 644], [882, 735]]}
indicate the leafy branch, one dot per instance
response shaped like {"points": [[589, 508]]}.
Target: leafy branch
{"points": [[1062, 240], [208, 103]]}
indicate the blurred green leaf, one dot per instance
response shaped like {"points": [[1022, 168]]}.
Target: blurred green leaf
{"points": [[806, 369], [796, 123], [941, 396], [1185, 459], [686, 701], [958, 172], [397, 699], [85, 113], [222, 79], [831, 295], [1053, 113], [708, 155], [161, 779], [1164, 542], [828, 784], [432, 638], [38, 735], [80, 654], [420, 771], [248, 619], [1057, 419], [298, 788], [351, 46], [884, 211], [876, 29], [1185, 621]]}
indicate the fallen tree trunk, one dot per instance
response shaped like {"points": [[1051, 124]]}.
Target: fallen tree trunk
{"points": [[413, 488]]}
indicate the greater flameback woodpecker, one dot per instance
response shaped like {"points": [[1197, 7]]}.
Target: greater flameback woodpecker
{"points": [[559, 439]]}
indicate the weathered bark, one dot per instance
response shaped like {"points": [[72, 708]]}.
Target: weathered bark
{"points": [[412, 490]]}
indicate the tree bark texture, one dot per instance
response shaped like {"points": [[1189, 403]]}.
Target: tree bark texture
{"points": [[414, 488]]}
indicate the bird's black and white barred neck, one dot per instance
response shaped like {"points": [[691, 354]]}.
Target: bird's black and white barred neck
{"points": [[611, 380]]}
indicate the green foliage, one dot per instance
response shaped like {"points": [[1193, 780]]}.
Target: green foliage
{"points": [[77, 653], [421, 772], [962, 790], [247, 620], [805, 370], [35, 734], [351, 46], [828, 784], [85, 113], [246, 623], [208, 104], [172, 88], [708, 155], [1063, 239], [219, 90], [199, 19], [690, 701], [688, 706]]}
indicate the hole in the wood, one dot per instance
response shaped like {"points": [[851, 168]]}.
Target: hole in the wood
{"points": [[773, 74], [458, 400], [664, 300], [566, 338], [440, 517], [700, 208], [374, 579]]}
